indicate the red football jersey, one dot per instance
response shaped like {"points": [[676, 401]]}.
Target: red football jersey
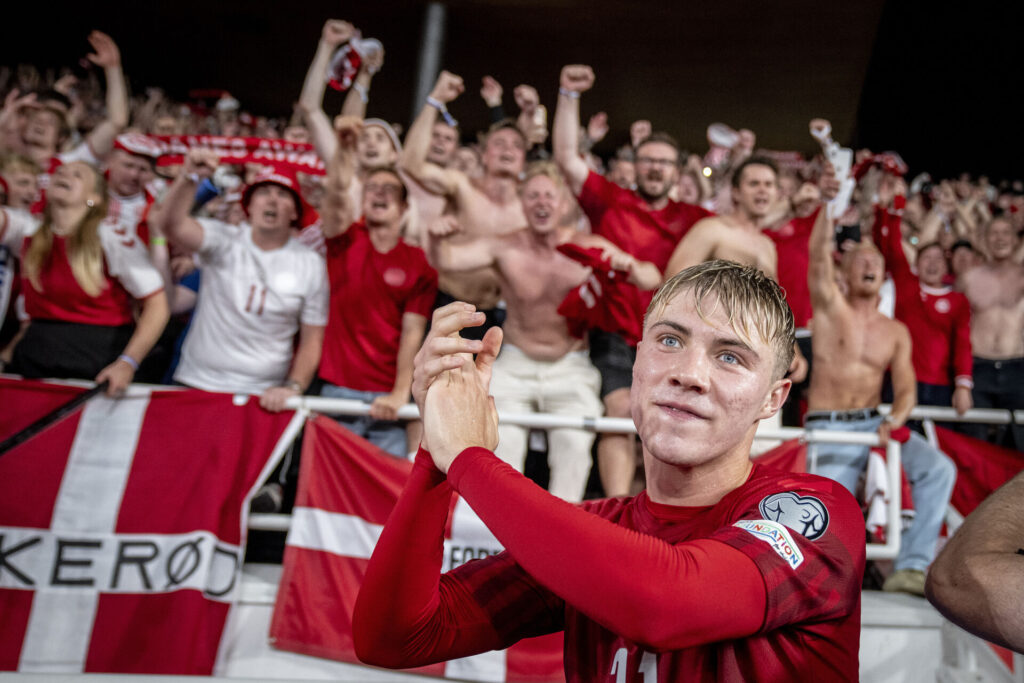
{"points": [[370, 292], [939, 319], [792, 247], [622, 216], [762, 586]]}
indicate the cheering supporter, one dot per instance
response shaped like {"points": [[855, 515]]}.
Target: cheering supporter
{"points": [[644, 223], [938, 319], [79, 282], [995, 290], [484, 206], [260, 288], [382, 291], [42, 123], [21, 181], [543, 367], [854, 345]]}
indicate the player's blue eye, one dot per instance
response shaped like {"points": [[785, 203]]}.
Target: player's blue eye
{"points": [[670, 341], [730, 358]]}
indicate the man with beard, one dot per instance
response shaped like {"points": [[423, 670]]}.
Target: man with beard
{"points": [[542, 366], [854, 344], [482, 207], [644, 223], [736, 236], [996, 292]]}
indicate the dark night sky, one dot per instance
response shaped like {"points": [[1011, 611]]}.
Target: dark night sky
{"points": [[939, 84]]}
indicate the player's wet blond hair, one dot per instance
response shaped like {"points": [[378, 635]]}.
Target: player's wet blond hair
{"points": [[754, 303]]}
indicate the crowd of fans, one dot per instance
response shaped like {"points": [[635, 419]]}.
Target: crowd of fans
{"points": [[136, 247]]}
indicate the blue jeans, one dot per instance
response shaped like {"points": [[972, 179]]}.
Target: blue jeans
{"points": [[930, 472], [387, 435]]}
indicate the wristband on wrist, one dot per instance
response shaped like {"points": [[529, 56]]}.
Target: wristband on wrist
{"points": [[194, 177], [293, 384], [440, 106], [361, 90], [130, 361], [965, 382], [571, 94], [158, 241]]}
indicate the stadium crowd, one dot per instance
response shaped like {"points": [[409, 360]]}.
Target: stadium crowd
{"points": [[197, 244]]}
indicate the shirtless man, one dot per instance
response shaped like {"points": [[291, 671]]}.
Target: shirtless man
{"points": [[645, 223], [542, 367], [995, 290], [736, 236], [854, 344], [483, 207]]}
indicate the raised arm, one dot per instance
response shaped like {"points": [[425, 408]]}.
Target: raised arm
{"points": [[821, 271], [435, 179], [977, 581], [107, 56], [575, 80], [359, 94], [338, 211], [335, 32], [696, 247], [173, 215], [643, 274]]}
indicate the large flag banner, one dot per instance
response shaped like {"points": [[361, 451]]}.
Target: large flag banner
{"points": [[122, 527], [347, 488], [981, 467]]}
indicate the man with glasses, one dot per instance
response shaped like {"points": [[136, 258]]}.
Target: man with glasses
{"points": [[645, 223], [382, 291]]}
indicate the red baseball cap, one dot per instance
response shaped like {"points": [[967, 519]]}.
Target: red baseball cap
{"points": [[283, 177]]}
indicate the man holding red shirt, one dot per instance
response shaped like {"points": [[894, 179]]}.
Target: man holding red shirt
{"points": [[646, 224], [721, 570]]}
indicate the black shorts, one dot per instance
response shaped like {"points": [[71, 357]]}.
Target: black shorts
{"points": [[614, 358], [494, 317], [62, 350]]}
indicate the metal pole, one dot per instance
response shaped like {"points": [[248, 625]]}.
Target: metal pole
{"points": [[431, 47]]}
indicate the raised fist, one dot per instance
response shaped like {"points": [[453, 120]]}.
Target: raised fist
{"points": [[106, 54], [597, 127], [448, 87], [639, 131], [821, 129], [491, 91], [577, 78], [526, 98], [337, 32], [347, 129], [202, 162]]}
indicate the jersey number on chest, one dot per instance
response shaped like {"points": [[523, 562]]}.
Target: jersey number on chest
{"points": [[648, 668], [257, 297]]}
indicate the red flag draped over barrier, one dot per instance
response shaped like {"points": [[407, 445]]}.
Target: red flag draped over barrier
{"points": [[347, 488], [981, 467], [122, 527]]}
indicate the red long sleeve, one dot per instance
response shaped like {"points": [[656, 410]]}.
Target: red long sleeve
{"points": [[405, 615], [691, 593]]}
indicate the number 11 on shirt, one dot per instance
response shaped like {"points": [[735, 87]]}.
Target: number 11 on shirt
{"points": [[648, 666]]}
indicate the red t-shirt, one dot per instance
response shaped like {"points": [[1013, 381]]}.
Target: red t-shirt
{"points": [[128, 275], [939, 319], [370, 292], [791, 245], [644, 592], [623, 217]]}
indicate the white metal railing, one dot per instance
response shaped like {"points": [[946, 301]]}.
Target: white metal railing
{"points": [[874, 551]]}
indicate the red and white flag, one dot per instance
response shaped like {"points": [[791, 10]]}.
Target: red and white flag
{"points": [[122, 527], [347, 488]]}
